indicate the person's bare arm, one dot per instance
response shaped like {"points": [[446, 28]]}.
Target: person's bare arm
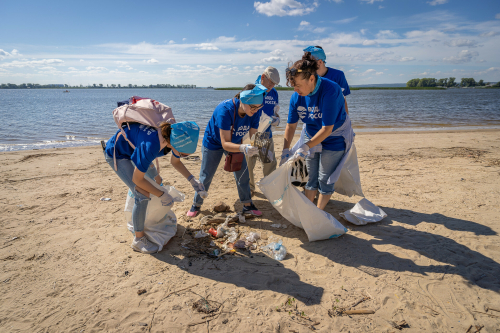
{"points": [[143, 185], [289, 132], [225, 138], [179, 166]]}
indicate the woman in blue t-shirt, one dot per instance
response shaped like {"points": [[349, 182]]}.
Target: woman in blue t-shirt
{"points": [[132, 164], [319, 103], [240, 114]]}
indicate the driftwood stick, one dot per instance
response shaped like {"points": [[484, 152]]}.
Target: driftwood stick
{"points": [[361, 311]]}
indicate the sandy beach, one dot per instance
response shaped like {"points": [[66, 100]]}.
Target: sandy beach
{"points": [[433, 265]]}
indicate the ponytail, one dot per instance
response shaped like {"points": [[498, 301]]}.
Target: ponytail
{"points": [[166, 129]]}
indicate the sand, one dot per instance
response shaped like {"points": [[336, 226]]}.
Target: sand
{"points": [[434, 262]]}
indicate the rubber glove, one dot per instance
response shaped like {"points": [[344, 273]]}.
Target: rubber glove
{"points": [[285, 155], [166, 199], [301, 153], [275, 121], [196, 184], [249, 150]]}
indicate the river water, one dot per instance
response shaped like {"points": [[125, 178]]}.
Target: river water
{"points": [[48, 118]]}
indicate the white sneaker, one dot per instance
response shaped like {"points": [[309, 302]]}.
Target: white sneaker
{"points": [[143, 245]]}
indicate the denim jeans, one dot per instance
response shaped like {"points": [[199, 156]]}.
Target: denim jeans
{"points": [[125, 172], [320, 166], [209, 163]]}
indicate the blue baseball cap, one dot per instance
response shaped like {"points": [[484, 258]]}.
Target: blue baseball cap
{"points": [[316, 52], [254, 96], [184, 136]]}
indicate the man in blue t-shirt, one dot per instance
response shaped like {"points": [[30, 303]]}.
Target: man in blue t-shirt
{"points": [[332, 74], [268, 79]]}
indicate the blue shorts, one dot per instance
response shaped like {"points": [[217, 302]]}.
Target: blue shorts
{"points": [[320, 167]]}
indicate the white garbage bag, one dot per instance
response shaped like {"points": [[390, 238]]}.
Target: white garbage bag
{"points": [[161, 223], [296, 208], [349, 182], [364, 212]]}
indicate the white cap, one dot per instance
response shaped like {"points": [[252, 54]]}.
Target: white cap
{"points": [[272, 74]]}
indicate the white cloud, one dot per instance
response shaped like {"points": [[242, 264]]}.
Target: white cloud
{"points": [[463, 56], [270, 59], [184, 39], [72, 69], [278, 53], [461, 43], [224, 39], [98, 69], [284, 8], [369, 42], [152, 61], [379, 73], [404, 59], [337, 1], [437, 2], [31, 63], [387, 34], [207, 47], [303, 24], [363, 31], [143, 72], [489, 34], [368, 72], [371, 2], [121, 63], [4, 54], [346, 20], [81, 60], [380, 7], [171, 42], [497, 16]]}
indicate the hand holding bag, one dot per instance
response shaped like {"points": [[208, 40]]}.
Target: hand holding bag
{"points": [[233, 160]]}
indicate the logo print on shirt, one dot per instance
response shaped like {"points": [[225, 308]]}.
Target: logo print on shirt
{"points": [[310, 112]]}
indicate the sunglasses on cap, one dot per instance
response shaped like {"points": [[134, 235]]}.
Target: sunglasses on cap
{"points": [[294, 71]]}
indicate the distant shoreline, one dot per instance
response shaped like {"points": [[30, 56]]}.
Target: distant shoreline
{"points": [[371, 88]]}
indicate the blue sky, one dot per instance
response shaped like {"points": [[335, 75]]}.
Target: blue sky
{"points": [[229, 43]]}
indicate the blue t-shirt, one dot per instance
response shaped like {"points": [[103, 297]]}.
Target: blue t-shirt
{"points": [[338, 77], [270, 101], [145, 140], [325, 108], [222, 119]]}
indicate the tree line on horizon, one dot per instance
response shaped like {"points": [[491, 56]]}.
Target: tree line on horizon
{"points": [[447, 82], [100, 85]]}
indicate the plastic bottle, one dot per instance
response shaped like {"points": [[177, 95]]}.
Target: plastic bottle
{"points": [[276, 250], [203, 194]]}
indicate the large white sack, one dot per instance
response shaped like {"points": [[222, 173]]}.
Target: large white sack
{"points": [[364, 212], [296, 208], [161, 223], [349, 182]]}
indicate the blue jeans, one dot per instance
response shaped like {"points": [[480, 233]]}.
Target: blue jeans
{"points": [[125, 172], [209, 163], [320, 167]]}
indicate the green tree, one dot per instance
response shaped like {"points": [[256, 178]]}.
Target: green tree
{"points": [[442, 82], [468, 82], [100, 85], [412, 83], [427, 82], [481, 83], [451, 82]]}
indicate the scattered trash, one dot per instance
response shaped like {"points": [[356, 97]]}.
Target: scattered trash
{"points": [[252, 237], [105, 199], [203, 194], [200, 234], [241, 218], [232, 235], [127, 273], [364, 212], [14, 238], [216, 252], [276, 225], [212, 243], [141, 291], [275, 250], [142, 324], [206, 306], [221, 207], [239, 244], [340, 311], [212, 232]]}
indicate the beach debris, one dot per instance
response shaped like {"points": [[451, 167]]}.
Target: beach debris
{"points": [[203, 194], [291, 308], [225, 321], [220, 207], [14, 238], [275, 249], [241, 218], [142, 324], [240, 244], [206, 306], [398, 324], [200, 234], [477, 328], [105, 199], [340, 311], [276, 225], [232, 235], [127, 273], [252, 237], [141, 291], [488, 307], [212, 232]]}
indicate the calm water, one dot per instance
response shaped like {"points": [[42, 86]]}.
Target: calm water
{"points": [[36, 119]]}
